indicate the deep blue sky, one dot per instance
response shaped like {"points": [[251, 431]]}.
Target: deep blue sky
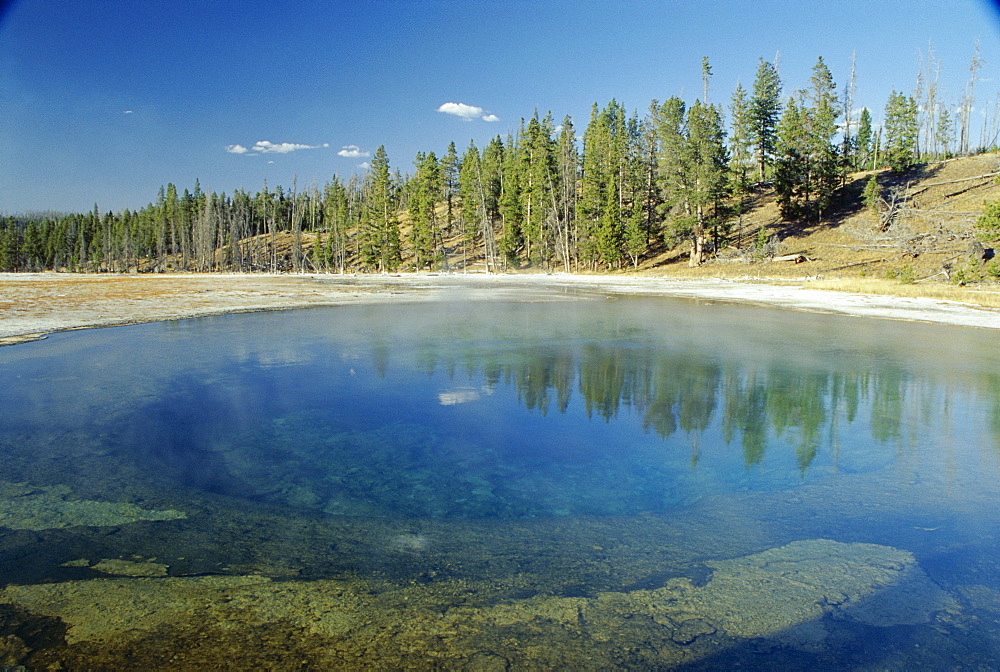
{"points": [[105, 101]]}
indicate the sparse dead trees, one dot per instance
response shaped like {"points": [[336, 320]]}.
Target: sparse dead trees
{"points": [[886, 205], [968, 99]]}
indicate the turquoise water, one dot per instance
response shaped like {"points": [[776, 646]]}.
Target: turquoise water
{"points": [[479, 455]]}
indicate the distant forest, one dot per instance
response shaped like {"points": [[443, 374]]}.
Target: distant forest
{"points": [[682, 174]]}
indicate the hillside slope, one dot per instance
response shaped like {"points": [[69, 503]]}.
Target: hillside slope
{"points": [[927, 239]]}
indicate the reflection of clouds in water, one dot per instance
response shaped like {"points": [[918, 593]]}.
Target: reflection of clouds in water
{"points": [[269, 355], [461, 395], [292, 354], [285, 357]]}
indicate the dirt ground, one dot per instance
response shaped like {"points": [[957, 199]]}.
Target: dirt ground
{"points": [[33, 304]]}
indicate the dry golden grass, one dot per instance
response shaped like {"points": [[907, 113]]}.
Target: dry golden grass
{"points": [[987, 296]]}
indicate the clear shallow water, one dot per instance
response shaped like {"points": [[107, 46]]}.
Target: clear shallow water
{"points": [[528, 457]]}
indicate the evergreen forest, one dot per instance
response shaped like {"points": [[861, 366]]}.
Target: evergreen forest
{"points": [[546, 197]]}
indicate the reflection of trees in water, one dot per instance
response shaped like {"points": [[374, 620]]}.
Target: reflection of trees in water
{"points": [[754, 402]]}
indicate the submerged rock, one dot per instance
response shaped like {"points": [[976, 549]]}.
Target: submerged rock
{"points": [[782, 594], [26, 507], [130, 568], [12, 651], [106, 610], [789, 596]]}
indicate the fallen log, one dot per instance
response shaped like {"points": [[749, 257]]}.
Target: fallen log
{"points": [[924, 187], [859, 263], [797, 258]]}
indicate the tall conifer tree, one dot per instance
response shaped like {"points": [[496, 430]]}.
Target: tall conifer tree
{"points": [[740, 138], [382, 245], [425, 189], [901, 129], [864, 142], [764, 112], [567, 191]]}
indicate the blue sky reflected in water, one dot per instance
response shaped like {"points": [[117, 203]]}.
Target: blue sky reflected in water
{"points": [[520, 410]]}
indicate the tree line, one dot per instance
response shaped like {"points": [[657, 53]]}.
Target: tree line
{"points": [[680, 175]]}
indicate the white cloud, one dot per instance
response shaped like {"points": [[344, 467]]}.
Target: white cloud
{"points": [[364, 165], [467, 112], [268, 147], [352, 152], [126, 111]]}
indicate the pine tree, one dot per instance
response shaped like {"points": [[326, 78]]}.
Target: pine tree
{"points": [[511, 204], [706, 140], [568, 167], [740, 147], [988, 224], [450, 167], [693, 170], [610, 162], [382, 246], [670, 120], [808, 170], [609, 230], [591, 200], [825, 161], [901, 128], [491, 165], [864, 142], [636, 237], [791, 172], [336, 215], [10, 244], [764, 112], [647, 196], [426, 188], [945, 132], [872, 195], [472, 198], [538, 168]]}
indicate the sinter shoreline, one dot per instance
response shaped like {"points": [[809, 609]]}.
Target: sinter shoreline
{"points": [[35, 304]]}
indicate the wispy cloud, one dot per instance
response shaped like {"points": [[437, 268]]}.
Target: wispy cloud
{"points": [[467, 112], [126, 111], [268, 147], [352, 152]]}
